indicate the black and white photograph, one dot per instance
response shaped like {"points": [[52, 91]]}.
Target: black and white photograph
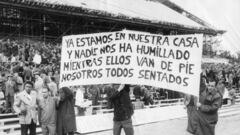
{"points": [[119, 67]]}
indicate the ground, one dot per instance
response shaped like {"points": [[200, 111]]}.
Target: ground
{"points": [[226, 126]]}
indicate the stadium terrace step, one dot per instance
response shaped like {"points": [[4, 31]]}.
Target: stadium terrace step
{"points": [[8, 115], [228, 110], [38, 132], [237, 100], [231, 113], [104, 111], [10, 128], [230, 106], [171, 100], [8, 120]]}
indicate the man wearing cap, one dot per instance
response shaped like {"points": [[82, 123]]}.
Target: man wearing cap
{"points": [[11, 87]]}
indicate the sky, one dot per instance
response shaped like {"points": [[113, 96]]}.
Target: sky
{"points": [[222, 14]]}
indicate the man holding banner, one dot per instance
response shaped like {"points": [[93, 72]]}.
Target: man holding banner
{"points": [[206, 117], [123, 110]]}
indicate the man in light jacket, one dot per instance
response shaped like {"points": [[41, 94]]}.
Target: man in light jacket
{"points": [[48, 113], [25, 106]]}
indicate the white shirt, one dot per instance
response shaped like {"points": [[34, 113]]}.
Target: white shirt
{"points": [[37, 59]]}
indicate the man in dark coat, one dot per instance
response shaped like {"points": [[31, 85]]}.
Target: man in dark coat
{"points": [[123, 110], [205, 119], [66, 120]]}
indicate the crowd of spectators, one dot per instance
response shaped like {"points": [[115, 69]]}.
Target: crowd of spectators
{"points": [[20, 63], [18, 66], [226, 76]]}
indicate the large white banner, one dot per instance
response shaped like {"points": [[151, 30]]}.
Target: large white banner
{"points": [[130, 57]]}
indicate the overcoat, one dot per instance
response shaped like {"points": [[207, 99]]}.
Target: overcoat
{"points": [[205, 119], [66, 120]]}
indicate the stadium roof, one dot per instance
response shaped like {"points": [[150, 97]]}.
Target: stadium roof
{"points": [[133, 8], [136, 10], [190, 15]]}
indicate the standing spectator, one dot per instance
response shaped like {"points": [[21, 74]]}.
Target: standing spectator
{"points": [[11, 87], [235, 80], [14, 49], [56, 76], [123, 110], [232, 94], [44, 59], [2, 85], [66, 120], [52, 87], [206, 118], [26, 107], [37, 59], [109, 91], [36, 69], [211, 74], [39, 84], [21, 69], [3, 81], [224, 74], [48, 113], [94, 91], [230, 79], [49, 70], [220, 86], [137, 92], [26, 52], [138, 104], [19, 82], [147, 97], [27, 73]]}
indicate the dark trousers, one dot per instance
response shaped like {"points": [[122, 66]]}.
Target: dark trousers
{"points": [[190, 113], [70, 133], [31, 127], [126, 125], [9, 102], [202, 126]]}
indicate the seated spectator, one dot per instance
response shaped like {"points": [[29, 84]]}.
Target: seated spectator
{"points": [[138, 104], [147, 97]]}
